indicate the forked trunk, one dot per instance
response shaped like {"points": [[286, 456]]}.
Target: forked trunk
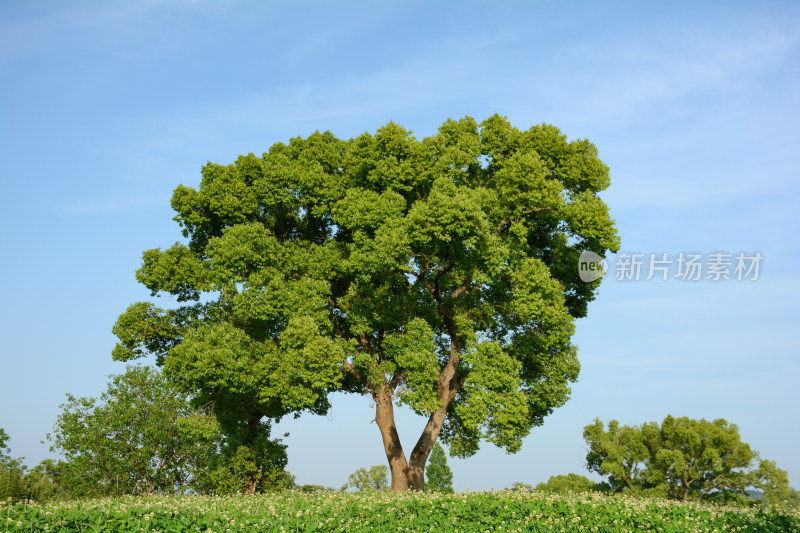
{"points": [[410, 475], [406, 475]]}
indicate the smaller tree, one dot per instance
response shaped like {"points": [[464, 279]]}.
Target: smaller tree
{"points": [[682, 458], [564, 484], [774, 483], [440, 477], [140, 437], [619, 453], [785, 497], [45, 482], [363, 480], [12, 472], [698, 459], [239, 469], [313, 489]]}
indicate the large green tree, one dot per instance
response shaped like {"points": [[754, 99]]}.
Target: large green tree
{"points": [[440, 273], [701, 459]]}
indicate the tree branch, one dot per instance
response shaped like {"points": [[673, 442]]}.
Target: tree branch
{"points": [[463, 288], [362, 337], [349, 368], [397, 379], [442, 272]]}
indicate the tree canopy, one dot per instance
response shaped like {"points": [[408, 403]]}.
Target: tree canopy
{"points": [[439, 273], [681, 458]]}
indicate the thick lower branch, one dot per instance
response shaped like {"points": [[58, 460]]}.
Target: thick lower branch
{"points": [[447, 387], [349, 368], [384, 416]]}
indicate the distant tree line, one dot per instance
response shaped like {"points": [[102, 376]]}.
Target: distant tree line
{"points": [[143, 436], [17, 482]]}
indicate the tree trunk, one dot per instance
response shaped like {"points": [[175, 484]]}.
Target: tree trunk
{"points": [[416, 475], [251, 484], [250, 487], [384, 416], [420, 453], [628, 482]]}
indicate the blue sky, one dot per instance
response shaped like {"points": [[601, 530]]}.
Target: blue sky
{"points": [[105, 107]]}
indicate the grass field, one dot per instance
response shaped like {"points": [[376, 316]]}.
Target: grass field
{"points": [[337, 511]]}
